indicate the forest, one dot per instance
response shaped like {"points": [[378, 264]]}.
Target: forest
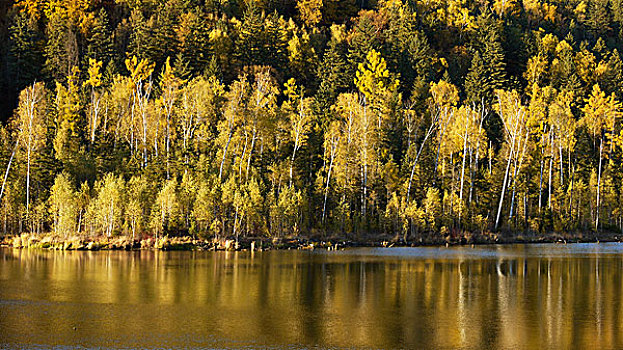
{"points": [[273, 118]]}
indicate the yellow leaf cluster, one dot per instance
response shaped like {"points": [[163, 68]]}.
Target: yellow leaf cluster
{"points": [[600, 112], [549, 43], [139, 70], [504, 7], [33, 8], [373, 78], [309, 11], [538, 11], [537, 66], [95, 76], [444, 94]]}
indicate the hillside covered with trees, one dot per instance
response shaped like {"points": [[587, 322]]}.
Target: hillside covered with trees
{"points": [[272, 118]]}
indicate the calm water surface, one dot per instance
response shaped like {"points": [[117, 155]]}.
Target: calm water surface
{"points": [[492, 297]]}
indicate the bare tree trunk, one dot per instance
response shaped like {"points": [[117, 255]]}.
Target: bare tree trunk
{"points": [[562, 179], [601, 146], [326, 191], [253, 139], [508, 164], [79, 221], [549, 182], [462, 176], [541, 183], [220, 172], [333, 146], [168, 144], [472, 170], [28, 181], [6, 173], [417, 156], [244, 153], [296, 145]]}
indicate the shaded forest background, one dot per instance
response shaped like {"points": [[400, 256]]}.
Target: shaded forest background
{"points": [[272, 118]]}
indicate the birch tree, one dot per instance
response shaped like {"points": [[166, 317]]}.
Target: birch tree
{"points": [[234, 109], [94, 111], [514, 117], [30, 125], [600, 115], [169, 86], [298, 110], [62, 205], [140, 74]]}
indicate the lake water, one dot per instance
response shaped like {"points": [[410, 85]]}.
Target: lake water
{"points": [[486, 297]]}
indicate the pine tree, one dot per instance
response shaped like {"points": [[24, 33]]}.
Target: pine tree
{"points": [[26, 56], [495, 68], [333, 72], [61, 50], [250, 37], [99, 39], [408, 51], [193, 40], [363, 39], [476, 82]]}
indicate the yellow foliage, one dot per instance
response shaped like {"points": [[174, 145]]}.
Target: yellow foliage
{"points": [[291, 90], [68, 99], [550, 12], [504, 7], [457, 15], [309, 11], [586, 66], [301, 54], [73, 11], [444, 94], [538, 11], [563, 47], [580, 10], [600, 112], [86, 23], [561, 118], [95, 77], [139, 70], [216, 34], [537, 110], [338, 32], [32, 7], [537, 66], [549, 43], [373, 78], [168, 78]]}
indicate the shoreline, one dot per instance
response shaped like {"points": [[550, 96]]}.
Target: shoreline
{"points": [[53, 242]]}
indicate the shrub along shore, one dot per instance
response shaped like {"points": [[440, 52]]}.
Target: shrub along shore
{"points": [[56, 242]]}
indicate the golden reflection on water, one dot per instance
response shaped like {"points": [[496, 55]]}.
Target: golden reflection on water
{"points": [[523, 297]]}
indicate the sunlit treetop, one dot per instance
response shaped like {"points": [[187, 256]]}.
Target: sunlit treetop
{"points": [[373, 76], [95, 76], [444, 94], [139, 70]]}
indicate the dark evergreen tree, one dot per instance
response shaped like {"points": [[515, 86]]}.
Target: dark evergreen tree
{"points": [[250, 38], [25, 57], [333, 75], [99, 39], [477, 86], [61, 49], [193, 40]]}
